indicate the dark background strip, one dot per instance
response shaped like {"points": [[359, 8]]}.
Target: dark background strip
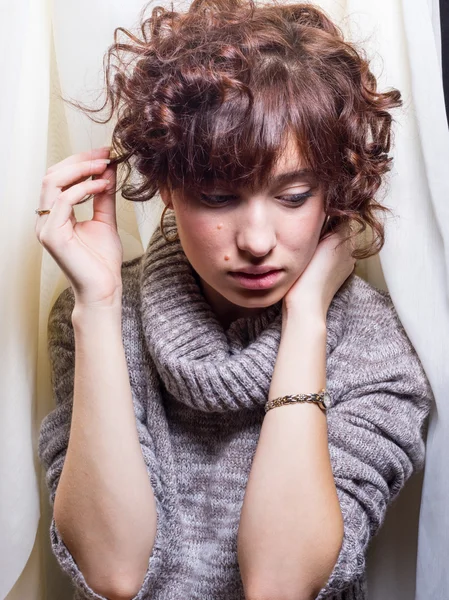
{"points": [[444, 19]]}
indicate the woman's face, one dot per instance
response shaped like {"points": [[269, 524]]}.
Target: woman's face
{"points": [[225, 229]]}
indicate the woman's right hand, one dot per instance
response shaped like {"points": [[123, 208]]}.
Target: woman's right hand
{"points": [[89, 252]]}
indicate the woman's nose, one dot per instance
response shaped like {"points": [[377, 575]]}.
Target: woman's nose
{"points": [[256, 236]]}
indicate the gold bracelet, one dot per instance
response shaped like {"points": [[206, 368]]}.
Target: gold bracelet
{"points": [[322, 398]]}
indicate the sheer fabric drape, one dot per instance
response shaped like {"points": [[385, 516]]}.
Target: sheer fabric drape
{"points": [[50, 48]]}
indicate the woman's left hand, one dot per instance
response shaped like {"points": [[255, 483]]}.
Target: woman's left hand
{"points": [[324, 275]]}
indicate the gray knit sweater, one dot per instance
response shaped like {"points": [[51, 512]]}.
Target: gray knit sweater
{"points": [[199, 393]]}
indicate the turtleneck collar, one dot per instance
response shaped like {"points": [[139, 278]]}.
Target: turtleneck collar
{"points": [[200, 363]]}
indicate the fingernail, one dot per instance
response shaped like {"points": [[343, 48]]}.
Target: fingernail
{"points": [[102, 161]]}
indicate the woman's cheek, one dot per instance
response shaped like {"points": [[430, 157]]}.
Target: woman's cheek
{"points": [[202, 241]]}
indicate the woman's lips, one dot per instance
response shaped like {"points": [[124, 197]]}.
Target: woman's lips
{"points": [[257, 282]]}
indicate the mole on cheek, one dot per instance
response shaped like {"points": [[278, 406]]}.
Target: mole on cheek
{"points": [[220, 225], [226, 257]]}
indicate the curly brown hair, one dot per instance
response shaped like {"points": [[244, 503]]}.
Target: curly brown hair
{"points": [[215, 89]]}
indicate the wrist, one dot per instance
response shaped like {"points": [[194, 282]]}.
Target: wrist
{"points": [[300, 365], [309, 317], [85, 316], [112, 300], [309, 304]]}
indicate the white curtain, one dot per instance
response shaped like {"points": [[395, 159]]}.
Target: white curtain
{"points": [[50, 48]]}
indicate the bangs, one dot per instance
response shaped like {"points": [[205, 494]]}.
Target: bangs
{"points": [[240, 138]]}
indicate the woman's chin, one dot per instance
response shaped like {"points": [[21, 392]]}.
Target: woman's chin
{"points": [[255, 299]]}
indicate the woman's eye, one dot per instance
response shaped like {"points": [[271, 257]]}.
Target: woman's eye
{"points": [[221, 199], [216, 199], [296, 199]]}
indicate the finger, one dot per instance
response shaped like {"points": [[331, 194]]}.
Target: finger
{"points": [[105, 201], [71, 173], [95, 154], [50, 190], [81, 157], [53, 183], [62, 210], [345, 232], [47, 198]]}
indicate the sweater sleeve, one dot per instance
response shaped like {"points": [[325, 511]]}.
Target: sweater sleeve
{"points": [[376, 426], [54, 437]]}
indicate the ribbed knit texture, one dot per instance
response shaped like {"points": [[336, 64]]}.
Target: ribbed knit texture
{"points": [[199, 393]]}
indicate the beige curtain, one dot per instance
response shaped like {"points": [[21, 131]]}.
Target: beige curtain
{"points": [[50, 48]]}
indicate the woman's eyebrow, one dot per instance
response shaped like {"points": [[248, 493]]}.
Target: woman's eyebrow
{"points": [[279, 179], [289, 176]]}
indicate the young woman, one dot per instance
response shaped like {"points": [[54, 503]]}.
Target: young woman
{"points": [[235, 409]]}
